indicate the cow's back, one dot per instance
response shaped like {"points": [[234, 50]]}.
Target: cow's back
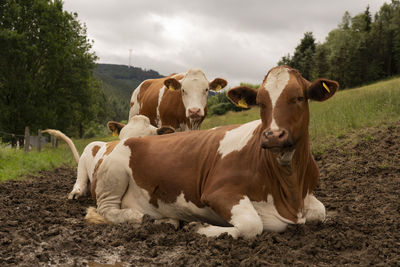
{"points": [[147, 97]]}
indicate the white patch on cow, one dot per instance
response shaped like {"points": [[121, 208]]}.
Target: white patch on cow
{"points": [[86, 167], [134, 110], [137, 126], [245, 220], [160, 95], [114, 177], [314, 210], [214, 231], [271, 219], [236, 139], [275, 84], [194, 94]]}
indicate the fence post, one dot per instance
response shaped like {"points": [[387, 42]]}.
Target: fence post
{"points": [[39, 147], [56, 142], [53, 142], [27, 139]]}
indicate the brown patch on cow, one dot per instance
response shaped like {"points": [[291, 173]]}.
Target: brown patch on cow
{"points": [[110, 147], [171, 107], [94, 180], [131, 104], [95, 149], [188, 172]]}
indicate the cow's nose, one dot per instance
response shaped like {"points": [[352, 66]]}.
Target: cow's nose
{"points": [[275, 138], [194, 112], [276, 134]]}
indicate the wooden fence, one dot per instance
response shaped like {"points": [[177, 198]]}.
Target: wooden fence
{"points": [[29, 141]]}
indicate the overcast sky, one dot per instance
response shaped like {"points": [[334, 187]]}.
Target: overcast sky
{"points": [[239, 40]]}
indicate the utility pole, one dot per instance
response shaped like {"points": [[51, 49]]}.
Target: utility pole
{"points": [[130, 56]]}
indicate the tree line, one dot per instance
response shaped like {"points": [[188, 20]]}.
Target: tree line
{"points": [[46, 70], [360, 50]]}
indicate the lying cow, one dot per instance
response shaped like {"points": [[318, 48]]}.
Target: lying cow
{"points": [[178, 100], [241, 179], [138, 126]]}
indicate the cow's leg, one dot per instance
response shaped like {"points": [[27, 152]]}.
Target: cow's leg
{"points": [[112, 184], [80, 186], [314, 209], [239, 212]]}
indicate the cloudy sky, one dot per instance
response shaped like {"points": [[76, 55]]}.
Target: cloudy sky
{"points": [[239, 40]]}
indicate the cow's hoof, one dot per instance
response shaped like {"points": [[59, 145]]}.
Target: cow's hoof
{"points": [[316, 215], [75, 194]]}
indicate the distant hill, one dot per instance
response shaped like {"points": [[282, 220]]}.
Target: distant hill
{"points": [[118, 83], [120, 80]]}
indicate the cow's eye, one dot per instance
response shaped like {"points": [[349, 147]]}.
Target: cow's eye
{"points": [[206, 89], [300, 99], [183, 91]]}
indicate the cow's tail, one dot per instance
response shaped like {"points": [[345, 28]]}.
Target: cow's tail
{"points": [[66, 139], [92, 216]]}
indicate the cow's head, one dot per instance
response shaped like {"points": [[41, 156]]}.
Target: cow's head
{"points": [[283, 100], [137, 126], [194, 89]]}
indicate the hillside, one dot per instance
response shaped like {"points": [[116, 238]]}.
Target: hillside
{"points": [[117, 83], [120, 80]]}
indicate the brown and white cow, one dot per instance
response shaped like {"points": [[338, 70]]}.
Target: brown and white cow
{"points": [[241, 179], [178, 100], [138, 126]]}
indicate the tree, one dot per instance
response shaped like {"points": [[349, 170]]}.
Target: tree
{"points": [[303, 56], [46, 67]]}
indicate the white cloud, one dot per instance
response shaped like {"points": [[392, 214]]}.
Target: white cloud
{"points": [[233, 39]]}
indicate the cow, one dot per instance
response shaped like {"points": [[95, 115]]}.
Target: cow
{"points": [[138, 126], [239, 179], [178, 100]]}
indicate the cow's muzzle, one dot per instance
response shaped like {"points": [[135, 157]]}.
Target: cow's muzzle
{"points": [[279, 140], [194, 113]]}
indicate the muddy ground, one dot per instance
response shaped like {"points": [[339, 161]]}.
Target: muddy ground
{"points": [[360, 187]]}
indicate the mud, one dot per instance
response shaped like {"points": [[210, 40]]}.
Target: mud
{"points": [[360, 187]]}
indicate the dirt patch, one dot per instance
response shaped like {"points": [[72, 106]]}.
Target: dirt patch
{"points": [[360, 187]]}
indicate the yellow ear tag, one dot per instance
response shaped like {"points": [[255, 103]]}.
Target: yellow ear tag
{"points": [[219, 87], [326, 87], [242, 103], [115, 133], [171, 88]]}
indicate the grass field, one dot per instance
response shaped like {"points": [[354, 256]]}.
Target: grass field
{"points": [[347, 111], [15, 163]]}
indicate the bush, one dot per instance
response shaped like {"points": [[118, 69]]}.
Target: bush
{"points": [[219, 109], [95, 130], [219, 104]]}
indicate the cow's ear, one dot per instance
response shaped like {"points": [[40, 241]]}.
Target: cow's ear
{"points": [[217, 84], [165, 130], [242, 96], [322, 89], [115, 127], [172, 84]]}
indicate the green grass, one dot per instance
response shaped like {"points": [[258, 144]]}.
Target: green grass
{"points": [[15, 163]]}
